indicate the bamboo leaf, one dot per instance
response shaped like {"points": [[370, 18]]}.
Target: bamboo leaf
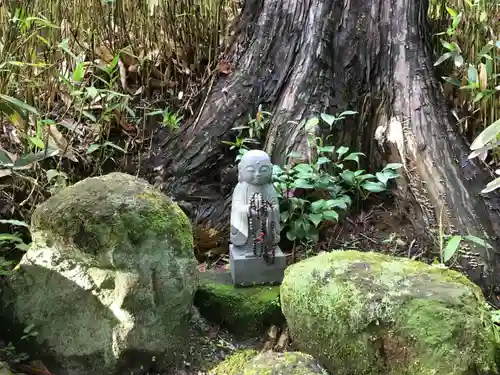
{"points": [[448, 46], [487, 135], [14, 222], [452, 12], [16, 105], [443, 58], [348, 113], [478, 241], [329, 119], [451, 248], [472, 74], [493, 185]]}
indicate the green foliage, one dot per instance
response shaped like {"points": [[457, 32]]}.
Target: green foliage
{"points": [[250, 134], [256, 126], [10, 354], [471, 42], [9, 241], [488, 139], [450, 245], [315, 191], [90, 92], [170, 119], [69, 85]]}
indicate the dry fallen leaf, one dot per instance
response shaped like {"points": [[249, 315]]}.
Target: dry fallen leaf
{"points": [[128, 59], [283, 340], [5, 172], [122, 120], [61, 143], [213, 332], [483, 76], [104, 53], [123, 74], [225, 68]]}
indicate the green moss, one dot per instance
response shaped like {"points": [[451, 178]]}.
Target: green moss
{"points": [[242, 311], [289, 363], [235, 363], [112, 211], [249, 362], [355, 311]]}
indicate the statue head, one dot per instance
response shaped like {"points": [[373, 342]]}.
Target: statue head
{"points": [[255, 168]]}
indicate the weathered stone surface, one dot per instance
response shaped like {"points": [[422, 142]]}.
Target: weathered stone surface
{"points": [[248, 362], [109, 280], [249, 270], [242, 311], [368, 313]]}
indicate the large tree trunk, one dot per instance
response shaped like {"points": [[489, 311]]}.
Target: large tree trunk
{"points": [[302, 57]]}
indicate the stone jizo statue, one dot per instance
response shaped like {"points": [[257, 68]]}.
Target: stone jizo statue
{"points": [[255, 223]]}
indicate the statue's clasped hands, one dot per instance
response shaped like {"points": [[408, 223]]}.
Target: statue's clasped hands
{"points": [[255, 210]]}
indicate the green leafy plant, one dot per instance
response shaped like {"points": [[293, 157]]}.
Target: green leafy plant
{"points": [[249, 134], [449, 245], [313, 192], [9, 241], [170, 119], [7, 238], [240, 144], [255, 127], [452, 50], [10, 354]]}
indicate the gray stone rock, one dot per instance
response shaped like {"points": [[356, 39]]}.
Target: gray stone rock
{"points": [[109, 279]]}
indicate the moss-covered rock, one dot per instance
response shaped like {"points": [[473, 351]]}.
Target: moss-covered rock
{"points": [[114, 211], [235, 363], [242, 311], [248, 362], [109, 280], [368, 313]]}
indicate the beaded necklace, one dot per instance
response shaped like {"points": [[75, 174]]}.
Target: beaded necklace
{"points": [[258, 235]]}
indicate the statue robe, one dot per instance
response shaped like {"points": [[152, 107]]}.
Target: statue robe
{"points": [[240, 211]]}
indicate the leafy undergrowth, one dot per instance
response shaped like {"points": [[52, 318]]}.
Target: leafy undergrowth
{"points": [[467, 50], [84, 84]]}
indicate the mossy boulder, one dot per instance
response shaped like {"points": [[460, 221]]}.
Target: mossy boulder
{"points": [[234, 364], [244, 312], [369, 313], [249, 362], [109, 280], [114, 211]]}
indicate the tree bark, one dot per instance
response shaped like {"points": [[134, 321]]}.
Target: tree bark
{"points": [[302, 57]]}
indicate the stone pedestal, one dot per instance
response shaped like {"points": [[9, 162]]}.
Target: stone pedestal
{"points": [[248, 270]]}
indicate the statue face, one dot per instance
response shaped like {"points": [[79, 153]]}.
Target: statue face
{"points": [[255, 168]]}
